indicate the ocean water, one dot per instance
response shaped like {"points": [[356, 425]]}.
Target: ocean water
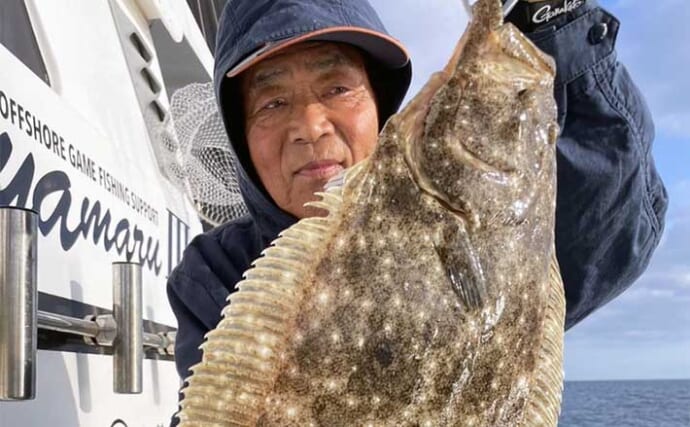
{"points": [[661, 403]]}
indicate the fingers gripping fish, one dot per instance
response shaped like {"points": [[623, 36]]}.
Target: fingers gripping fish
{"points": [[429, 294]]}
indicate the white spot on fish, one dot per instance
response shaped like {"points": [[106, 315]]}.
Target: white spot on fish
{"points": [[473, 326], [397, 301], [323, 297], [291, 411]]}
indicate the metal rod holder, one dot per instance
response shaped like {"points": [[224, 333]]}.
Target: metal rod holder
{"points": [[127, 310], [20, 318], [18, 303]]}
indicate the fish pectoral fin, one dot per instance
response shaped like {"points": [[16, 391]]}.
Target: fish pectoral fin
{"points": [[462, 266]]}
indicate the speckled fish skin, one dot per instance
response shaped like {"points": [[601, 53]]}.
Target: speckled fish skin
{"points": [[430, 294]]}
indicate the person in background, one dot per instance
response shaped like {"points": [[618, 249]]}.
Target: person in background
{"points": [[304, 87]]}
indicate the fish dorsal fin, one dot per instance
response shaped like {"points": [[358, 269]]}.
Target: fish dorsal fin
{"points": [[543, 406], [336, 187], [243, 355], [346, 177]]}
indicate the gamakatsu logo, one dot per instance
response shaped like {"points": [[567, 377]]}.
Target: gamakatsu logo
{"points": [[546, 13]]}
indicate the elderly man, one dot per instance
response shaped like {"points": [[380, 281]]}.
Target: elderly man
{"points": [[304, 87]]}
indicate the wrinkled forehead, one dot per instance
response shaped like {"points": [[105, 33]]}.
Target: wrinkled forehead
{"points": [[314, 57]]}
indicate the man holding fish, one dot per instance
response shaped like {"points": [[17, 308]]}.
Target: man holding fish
{"points": [[304, 87]]}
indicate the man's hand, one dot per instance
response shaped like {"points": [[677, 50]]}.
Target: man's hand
{"points": [[534, 15]]}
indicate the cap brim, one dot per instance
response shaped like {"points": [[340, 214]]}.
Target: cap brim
{"points": [[382, 47]]}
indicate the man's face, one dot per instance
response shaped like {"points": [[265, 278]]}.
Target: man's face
{"points": [[310, 112]]}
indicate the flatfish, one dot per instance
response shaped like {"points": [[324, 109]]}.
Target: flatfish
{"points": [[429, 295]]}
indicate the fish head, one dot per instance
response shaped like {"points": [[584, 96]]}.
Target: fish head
{"points": [[483, 139]]}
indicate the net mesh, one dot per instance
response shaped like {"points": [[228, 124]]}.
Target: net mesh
{"points": [[194, 153]]}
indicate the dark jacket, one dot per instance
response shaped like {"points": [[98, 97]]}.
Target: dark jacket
{"points": [[610, 206]]}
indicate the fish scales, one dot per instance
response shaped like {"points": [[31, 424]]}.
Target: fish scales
{"points": [[430, 294]]}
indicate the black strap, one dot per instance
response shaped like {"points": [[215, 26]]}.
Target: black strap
{"points": [[531, 16]]}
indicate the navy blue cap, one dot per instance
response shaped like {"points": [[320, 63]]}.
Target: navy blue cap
{"points": [[250, 30]]}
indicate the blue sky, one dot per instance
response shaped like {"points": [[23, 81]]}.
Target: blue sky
{"points": [[644, 333]]}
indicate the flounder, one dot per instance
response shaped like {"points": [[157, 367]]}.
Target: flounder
{"points": [[430, 294]]}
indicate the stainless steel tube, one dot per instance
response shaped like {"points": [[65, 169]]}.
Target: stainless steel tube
{"points": [[70, 325], [128, 345], [18, 304], [155, 341]]}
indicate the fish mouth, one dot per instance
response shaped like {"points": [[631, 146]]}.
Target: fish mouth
{"points": [[495, 173]]}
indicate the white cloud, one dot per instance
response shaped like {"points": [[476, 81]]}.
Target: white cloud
{"points": [[428, 28]]}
